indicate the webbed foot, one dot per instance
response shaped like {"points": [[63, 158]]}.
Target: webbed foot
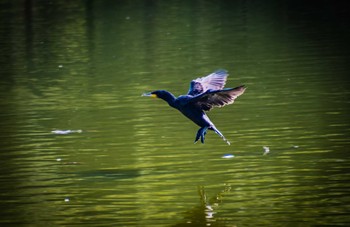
{"points": [[201, 134]]}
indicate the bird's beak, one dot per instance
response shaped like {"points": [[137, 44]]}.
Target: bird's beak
{"points": [[149, 94]]}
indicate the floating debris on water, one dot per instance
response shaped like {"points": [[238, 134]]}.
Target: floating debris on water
{"points": [[58, 159], [228, 156], [295, 146], [266, 150], [66, 200], [64, 132]]}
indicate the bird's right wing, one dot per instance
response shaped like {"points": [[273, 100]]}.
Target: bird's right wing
{"points": [[214, 81], [217, 98]]}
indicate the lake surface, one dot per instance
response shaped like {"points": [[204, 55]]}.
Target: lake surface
{"points": [[80, 146]]}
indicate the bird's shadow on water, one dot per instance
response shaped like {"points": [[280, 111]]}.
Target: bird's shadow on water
{"points": [[204, 214]]}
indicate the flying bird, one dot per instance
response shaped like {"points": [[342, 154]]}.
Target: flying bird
{"points": [[204, 94]]}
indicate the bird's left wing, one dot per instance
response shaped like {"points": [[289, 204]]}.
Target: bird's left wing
{"points": [[214, 81], [217, 98]]}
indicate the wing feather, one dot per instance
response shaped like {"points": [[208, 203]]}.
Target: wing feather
{"points": [[214, 81], [218, 98]]}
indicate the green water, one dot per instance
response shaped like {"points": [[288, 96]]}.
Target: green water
{"points": [[130, 160]]}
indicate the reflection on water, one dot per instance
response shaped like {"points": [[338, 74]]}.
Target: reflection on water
{"points": [[79, 146], [204, 214]]}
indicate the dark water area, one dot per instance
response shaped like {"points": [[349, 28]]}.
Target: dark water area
{"points": [[80, 146]]}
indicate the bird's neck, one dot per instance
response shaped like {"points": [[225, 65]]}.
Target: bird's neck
{"points": [[168, 97]]}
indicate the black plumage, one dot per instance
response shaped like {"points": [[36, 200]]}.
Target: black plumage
{"points": [[204, 94]]}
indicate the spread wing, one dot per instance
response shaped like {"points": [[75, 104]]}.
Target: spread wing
{"points": [[214, 81], [219, 98]]}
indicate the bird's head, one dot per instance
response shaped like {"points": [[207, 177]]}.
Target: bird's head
{"points": [[156, 94], [162, 94], [152, 94]]}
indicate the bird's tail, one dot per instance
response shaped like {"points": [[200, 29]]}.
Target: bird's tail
{"points": [[202, 131]]}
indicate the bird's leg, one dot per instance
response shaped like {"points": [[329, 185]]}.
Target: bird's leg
{"points": [[197, 136], [201, 134], [220, 134], [204, 131]]}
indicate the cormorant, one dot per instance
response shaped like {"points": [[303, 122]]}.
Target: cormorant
{"points": [[204, 94]]}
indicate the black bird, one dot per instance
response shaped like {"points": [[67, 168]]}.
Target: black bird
{"points": [[204, 94]]}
